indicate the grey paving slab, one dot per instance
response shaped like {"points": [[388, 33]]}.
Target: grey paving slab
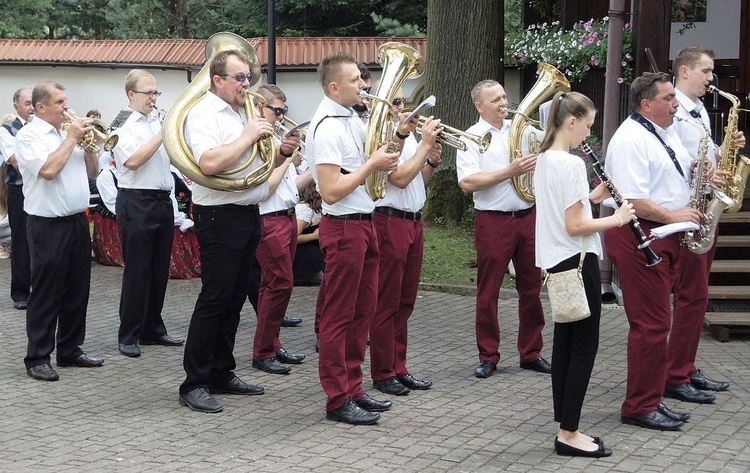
{"points": [[125, 416]]}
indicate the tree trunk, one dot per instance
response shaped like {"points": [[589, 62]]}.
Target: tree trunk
{"points": [[464, 47]]}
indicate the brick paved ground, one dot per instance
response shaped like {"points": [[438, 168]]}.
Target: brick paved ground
{"points": [[125, 416]]}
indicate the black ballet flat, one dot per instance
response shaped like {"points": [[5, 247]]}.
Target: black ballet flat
{"points": [[565, 449]]}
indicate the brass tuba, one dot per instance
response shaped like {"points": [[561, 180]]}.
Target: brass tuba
{"points": [[549, 82], [400, 62], [177, 148], [735, 165]]}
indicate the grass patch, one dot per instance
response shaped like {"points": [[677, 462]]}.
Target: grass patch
{"points": [[450, 257]]}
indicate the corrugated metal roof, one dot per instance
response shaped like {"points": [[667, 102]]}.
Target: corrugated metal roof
{"points": [[292, 52]]}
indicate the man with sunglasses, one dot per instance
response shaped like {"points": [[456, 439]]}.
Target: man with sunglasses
{"points": [[398, 221], [145, 218], [335, 151], [227, 226], [273, 275]]}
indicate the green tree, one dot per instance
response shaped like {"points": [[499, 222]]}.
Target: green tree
{"points": [[457, 59]]}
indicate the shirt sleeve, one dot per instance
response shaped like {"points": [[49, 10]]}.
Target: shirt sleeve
{"points": [[7, 142], [304, 213], [31, 152], [467, 162], [126, 146], [629, 168], [200, 132], [329, 142], [105, 184], [575, 183]]}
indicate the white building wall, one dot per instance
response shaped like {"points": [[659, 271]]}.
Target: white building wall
{"points": [[720, 32]]}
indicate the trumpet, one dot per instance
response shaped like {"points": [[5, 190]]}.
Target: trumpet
{"points": [[286, 125], [449, 136], [100, 133], [452, 137]]}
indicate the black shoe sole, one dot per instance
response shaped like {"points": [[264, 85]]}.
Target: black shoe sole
{"points": [[331, 416], [71, 364], [196, 409], [694, 401], [636, 422], [262, 368], [150, 343], [392, 393]]}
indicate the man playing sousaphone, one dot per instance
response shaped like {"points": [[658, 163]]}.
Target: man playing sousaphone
{"points": [[221, 135]]}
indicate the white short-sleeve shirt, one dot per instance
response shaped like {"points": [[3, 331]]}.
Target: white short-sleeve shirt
{"points": [[212, 123], [134, 133], [413, 196], [690, 135], [336, 136], [68, 193], [560, 181]]}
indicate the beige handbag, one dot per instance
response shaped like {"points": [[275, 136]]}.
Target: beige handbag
{"points": [[567, 295]]}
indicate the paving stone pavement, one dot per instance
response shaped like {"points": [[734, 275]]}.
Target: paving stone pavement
{"points": [[125, 416]]}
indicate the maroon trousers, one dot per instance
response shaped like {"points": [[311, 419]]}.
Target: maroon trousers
{"points": [[349, 299], [276, 257], [690, 302], [646, 294], [498, 240], [401, 244]]}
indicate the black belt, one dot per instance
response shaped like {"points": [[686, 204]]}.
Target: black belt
{"points": [[225, 210], [280, 213], [413, 216], [350, 216], [512, 213], [154, 193], [67, 218]]}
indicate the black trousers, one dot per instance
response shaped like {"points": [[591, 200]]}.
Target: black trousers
{"points": [[146, 222], [574, 347], [20, 264], [60, 252], [228, 236]]}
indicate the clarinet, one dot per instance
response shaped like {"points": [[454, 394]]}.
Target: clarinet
{"points": [[643, 243]]}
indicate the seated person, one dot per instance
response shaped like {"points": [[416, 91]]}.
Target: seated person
{"points": [[185, 258], [308, 261]]}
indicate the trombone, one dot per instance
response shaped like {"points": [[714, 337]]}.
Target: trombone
{"points": [[99, 133], [449, 136]]}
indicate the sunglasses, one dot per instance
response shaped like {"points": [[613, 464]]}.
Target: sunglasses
{"points": [[279, 111], [367, 89], [239, 77], [398, 101]]}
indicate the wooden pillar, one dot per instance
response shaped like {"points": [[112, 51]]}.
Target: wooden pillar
{"points": [[652, 29]]}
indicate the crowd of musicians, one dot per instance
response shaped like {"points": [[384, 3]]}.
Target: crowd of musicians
{"points": [[372, 248]]}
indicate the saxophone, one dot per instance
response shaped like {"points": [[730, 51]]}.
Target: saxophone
{"points": [[701, 240], [735, 165]]}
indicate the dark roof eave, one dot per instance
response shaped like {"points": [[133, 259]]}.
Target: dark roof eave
{"points": [[104, 65]]}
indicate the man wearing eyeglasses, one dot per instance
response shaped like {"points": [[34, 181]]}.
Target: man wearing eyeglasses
{"points": [[221, 136], [144, 218], [273, 276], [398, 221]]}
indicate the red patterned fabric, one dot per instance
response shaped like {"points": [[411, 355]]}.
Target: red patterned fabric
{"points": [[185, 262], [106, 241]]}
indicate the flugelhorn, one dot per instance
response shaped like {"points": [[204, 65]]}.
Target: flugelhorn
{"points": [[99, 134], [286, 125], [449, 136]]}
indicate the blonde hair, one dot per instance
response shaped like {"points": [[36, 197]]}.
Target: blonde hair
{"points": [[134, 76]]}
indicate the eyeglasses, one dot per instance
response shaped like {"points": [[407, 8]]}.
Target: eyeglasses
{"points": [[239, 77], [367, 89], [154, 93], [278, 111], [398, 101]]}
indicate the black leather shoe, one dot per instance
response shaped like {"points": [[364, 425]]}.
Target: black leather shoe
{"points": [[688, 393], [414, 384], [565, 449], [43, 372], [540, 366], [130, 349], [271, 365], [485, 369], [236, 386], [20, 305], [679, 416], [82, 360], [351, 413], [654, 420], [289, 358], [164, 340], [369, 404], [701, 381], [200, 400], [290, 321], [391, 386]]}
